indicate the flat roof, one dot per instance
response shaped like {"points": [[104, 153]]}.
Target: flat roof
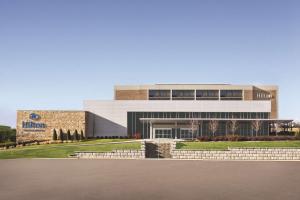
{"points": [[194, 86]]}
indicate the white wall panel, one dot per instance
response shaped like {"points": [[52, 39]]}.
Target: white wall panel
{"points": [[111, 115]]}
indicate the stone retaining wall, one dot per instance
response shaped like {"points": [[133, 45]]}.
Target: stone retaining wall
{"points": [[230, 154], [239, 154], [115, 154]]}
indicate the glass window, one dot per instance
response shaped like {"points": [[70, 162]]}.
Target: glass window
{"points": [[207, 94], [183, 94], [231, 94], [159, 94]]}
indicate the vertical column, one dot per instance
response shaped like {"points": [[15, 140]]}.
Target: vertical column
{"points": [[151, 131], [175, 130]]}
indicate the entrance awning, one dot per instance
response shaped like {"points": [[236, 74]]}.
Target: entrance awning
{"points": [[182, 120]]}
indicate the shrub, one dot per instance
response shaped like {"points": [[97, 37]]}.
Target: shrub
{"points": [[75, 135], [54, 136], [68, 135], [246, 138], [297, 134], [137, 136], [81, 135], [61, 135]]}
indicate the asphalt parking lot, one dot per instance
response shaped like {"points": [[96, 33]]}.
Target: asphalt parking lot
{"points": [[147, 179]]}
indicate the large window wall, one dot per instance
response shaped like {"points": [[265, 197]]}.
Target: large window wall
{"points": [[135, 126]]}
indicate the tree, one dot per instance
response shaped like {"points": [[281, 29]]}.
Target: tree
{"points": [[81, 135], [233, 125], [68, 135], [54, 136], [61, 135], [213, 126], [7, 134], [194, 127], [256, 125], [75, 135]]}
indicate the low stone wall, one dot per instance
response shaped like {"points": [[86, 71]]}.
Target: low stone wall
{"points": [[239, 154], [230, 154], [115, 154]]}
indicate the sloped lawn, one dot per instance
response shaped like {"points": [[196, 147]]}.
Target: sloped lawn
{"points": [[63, 150]]}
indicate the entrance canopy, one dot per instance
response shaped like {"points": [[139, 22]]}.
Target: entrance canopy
{"points": [[183, 120], [195, 127]]}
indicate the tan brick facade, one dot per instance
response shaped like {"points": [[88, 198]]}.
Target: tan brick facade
{"points": [[248, 95], [131, 94], [274, 104], [41, 128]]}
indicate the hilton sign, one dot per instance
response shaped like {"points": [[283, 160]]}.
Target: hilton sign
{"points": [[33, 125]]}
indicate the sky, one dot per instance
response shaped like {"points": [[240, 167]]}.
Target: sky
{"points": [[55, 54]]}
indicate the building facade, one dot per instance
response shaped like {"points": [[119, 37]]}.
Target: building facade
{"points": [[183, 111], [39, 125], [186, 111]]}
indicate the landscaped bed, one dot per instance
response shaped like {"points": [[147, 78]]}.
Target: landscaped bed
{"points": [[64, 150], [224, 145]]}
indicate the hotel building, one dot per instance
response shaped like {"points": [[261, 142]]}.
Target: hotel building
{"points": [[183, 111]]}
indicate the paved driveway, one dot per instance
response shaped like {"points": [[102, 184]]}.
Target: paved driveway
{"points": [[148, 179]]}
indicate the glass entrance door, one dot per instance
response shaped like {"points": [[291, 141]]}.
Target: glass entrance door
{"points": [[186, 134], [163, 133]]}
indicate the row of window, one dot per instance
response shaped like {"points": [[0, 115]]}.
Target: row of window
{"points": [[243, 129], [135, 125], [200, 94]]}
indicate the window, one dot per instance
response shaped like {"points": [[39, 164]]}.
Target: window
{"points": [[231, 95], [159, 94], [207, 94], [183, 94]]}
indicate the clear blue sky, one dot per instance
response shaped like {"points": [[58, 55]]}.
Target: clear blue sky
{"points": [[54, 54]]}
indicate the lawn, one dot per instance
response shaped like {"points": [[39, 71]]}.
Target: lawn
{"points": [[225, 145], [65, 149]]}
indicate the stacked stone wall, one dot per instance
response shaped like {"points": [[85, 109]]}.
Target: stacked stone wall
{"points": [[115, 154], [65, 120], [239, 154]]}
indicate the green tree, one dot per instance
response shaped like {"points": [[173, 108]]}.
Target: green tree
{"points": [[54, 136], [7, 134], [75, 135], [81, 135], [61, 135], [68, 135]]}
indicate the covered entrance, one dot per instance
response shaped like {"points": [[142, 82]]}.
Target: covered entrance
{"points": [[191, 128], [163, 133]]}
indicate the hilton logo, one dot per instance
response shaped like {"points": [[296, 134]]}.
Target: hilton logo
{"points": [[33, 125], [34, 116]]}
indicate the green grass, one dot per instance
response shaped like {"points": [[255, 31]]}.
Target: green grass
{"points": [[63, 150], [225, 145]]}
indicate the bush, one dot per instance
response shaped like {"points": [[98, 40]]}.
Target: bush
{"points": [[61, 135], [137, 136], [297, 134], [81, 135], [54, 136], [246, 138], [75, 135], [68, 135], [7, 134]]}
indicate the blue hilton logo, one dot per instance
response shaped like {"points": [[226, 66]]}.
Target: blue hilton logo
{"points": [[34, 116], [33, 125]]}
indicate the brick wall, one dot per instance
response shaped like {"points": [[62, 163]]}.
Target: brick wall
{"points": [[65, 120]]}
